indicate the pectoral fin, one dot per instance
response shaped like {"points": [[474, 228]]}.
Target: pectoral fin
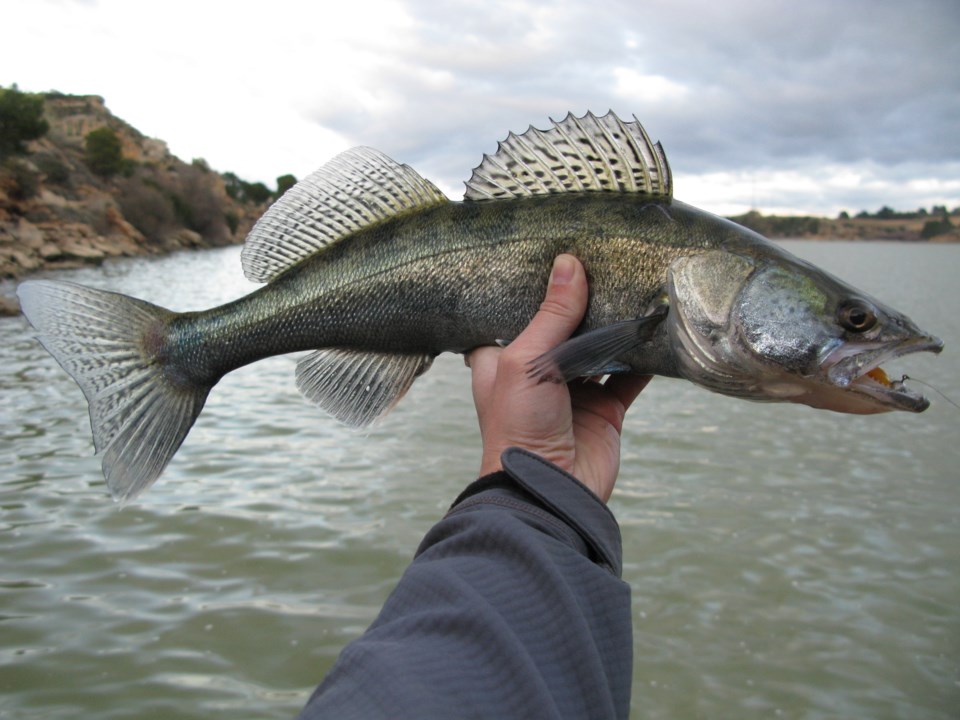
{"points": [[595, 352]]}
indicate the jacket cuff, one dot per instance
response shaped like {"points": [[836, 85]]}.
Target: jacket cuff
{"points": [[545, 485]]}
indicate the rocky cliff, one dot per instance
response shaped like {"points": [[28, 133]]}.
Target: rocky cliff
{"points": [[56, 212]]}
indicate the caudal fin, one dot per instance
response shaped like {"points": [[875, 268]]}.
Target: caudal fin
{"points": [[109, 344]]}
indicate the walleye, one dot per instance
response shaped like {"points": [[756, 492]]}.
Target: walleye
{"points": [[371, 268]]}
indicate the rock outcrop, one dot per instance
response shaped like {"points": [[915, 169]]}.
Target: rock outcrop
{"points": [[55, 212]]}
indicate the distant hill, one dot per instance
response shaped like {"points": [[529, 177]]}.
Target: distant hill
{"points": [[939, 225], [94, 187]]}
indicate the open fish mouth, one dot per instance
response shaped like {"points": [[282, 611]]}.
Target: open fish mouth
{"points": [[856, 367]]}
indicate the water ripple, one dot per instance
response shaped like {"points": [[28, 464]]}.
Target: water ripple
{"points": [[784, 562]]}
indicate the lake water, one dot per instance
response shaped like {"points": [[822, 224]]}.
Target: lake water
{"points": [[785, 562]]}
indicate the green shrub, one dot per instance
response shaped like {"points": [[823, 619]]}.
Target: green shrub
{"points": [[199, 206], [256, 193], [21, 119], [56, 171], [159, 203], [245, 192], [284, 183], [147, 208], [932, 228], [26, 183], [234, 186], [104, 153]]}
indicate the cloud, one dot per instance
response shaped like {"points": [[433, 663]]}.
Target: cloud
{"points": [[633, 85], [734, 86], [784, 103]]}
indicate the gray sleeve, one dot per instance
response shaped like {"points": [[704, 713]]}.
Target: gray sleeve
{"points": [[512, 607]]}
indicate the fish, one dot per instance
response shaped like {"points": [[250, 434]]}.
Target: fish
{"points": [[372, 271]]}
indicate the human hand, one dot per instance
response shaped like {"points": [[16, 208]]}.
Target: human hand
{"points": [[576, 426]]}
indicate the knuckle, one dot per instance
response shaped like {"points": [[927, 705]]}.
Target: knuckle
{"points": [[558, 307]]}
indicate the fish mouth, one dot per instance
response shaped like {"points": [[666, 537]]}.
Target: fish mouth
{"points": [[856, 367]]}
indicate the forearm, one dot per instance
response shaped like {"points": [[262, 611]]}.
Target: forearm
{"points": [[513, 607]]}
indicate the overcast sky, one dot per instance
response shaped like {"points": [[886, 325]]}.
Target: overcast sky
{"points": [[811, 107]]}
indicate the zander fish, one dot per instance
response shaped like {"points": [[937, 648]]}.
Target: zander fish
{"points": [[372, 268]]}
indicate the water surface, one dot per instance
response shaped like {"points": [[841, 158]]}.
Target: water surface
{"points": [[785, 562]]}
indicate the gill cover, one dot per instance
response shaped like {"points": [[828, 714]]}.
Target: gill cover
{"points": [[702, 290]]}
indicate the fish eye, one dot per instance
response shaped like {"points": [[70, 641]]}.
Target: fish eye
{"points": [[856, 316]]}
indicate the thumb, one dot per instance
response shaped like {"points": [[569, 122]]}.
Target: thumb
{"points": [[561, 310]]}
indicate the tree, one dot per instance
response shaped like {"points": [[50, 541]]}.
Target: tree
{"points": [[233, 184], [245, 192], [104, 153], [257, 193], [284, 183], [21, 119], [932, 228]]}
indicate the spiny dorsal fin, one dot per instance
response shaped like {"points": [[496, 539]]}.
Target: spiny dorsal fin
{"points": [[575, 155], [356, 189]]}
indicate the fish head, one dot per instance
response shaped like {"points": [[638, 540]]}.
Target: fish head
{"points": [[769, 326]]}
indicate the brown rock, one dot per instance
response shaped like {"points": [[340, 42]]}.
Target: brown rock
{"points": [[184, 238], [121, 226], [9, 306], [26, 234], [49, 251], [122, 246], [80, 250], [14, 261]]}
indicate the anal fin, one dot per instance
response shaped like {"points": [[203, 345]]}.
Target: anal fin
{"points": [[355, 386]]}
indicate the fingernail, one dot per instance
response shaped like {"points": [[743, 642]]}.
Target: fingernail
{"points": [[563, 269]]}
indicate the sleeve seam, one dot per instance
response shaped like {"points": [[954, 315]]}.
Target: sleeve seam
{"points": [[576, 483]]}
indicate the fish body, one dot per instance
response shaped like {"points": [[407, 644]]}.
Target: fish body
{"points": [[450, 279], [370, 267]]}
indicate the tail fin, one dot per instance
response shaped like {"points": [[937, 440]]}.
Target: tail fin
{"points": [[109, 344]]}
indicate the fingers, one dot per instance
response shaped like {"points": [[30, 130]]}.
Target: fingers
{"points": [[483, 362], [608, 402], [627, 387]]}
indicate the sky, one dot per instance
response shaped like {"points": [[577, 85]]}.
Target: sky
{"points": [[788, 107]]}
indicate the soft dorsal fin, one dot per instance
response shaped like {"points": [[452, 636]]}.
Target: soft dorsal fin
{"points": [[575, 155], [356, 189]]}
